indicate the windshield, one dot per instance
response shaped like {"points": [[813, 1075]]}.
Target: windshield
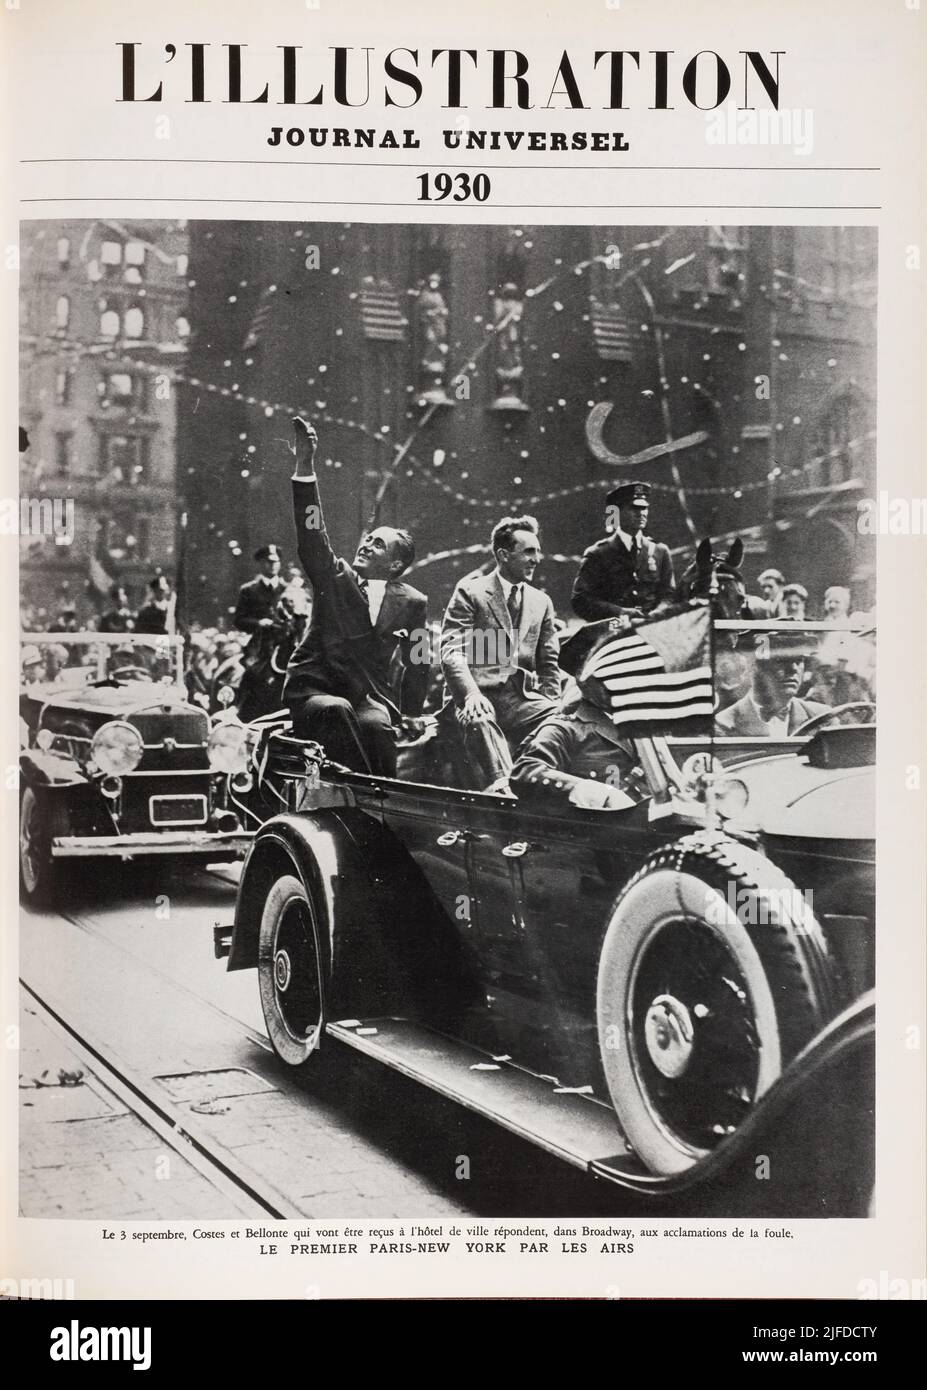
{"points": [[65, 660], [781, 680]]}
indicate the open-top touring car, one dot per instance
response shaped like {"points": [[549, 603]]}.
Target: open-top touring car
{"points": [[640, 992], [115, 761]]}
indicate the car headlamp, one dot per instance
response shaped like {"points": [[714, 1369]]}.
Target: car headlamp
{"points": [[117, 748], [228, 747]]}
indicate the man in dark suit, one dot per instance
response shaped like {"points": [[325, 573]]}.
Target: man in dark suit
{"points": [[362, 665], [626, 574], [120, 617], [499, 652], [771, 708], [154, 616], [255, 612]]}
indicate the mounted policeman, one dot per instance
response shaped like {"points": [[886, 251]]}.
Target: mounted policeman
{"points": [[626, 574]]}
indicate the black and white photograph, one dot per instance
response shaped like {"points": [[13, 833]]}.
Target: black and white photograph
{"points": [[447, 723]]}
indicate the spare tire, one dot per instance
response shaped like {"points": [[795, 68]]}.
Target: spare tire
{"points": [[713, 974]]}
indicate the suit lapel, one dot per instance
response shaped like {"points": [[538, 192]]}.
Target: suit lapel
{"points": [[529, 598], [497, 603], [388, 609]]}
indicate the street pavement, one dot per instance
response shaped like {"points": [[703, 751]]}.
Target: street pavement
{"points": [[129, 965]]}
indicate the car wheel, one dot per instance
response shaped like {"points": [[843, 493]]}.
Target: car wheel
{"points": [[289, 971], [38, 824], [713, 974]]}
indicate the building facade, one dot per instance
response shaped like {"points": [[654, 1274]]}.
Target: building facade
{"points": [[104, 326], [457, 374]]}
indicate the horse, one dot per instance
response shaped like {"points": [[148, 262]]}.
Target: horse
{"points": [[720, 579]]}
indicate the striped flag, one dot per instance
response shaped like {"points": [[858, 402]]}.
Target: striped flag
{"points": [[658, 673]]}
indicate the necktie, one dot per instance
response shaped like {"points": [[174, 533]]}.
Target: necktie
{"points": [[514, 606], [364, 586]]}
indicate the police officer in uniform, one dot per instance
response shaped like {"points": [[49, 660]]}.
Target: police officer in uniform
{"points": [[257, 600], [626, 574], [255, 613]]}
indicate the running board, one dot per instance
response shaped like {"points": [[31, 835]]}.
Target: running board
{"points": [[568, 1125], [581, 1130]]}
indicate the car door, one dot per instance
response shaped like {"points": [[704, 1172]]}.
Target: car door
{"points": [[542, 885]]}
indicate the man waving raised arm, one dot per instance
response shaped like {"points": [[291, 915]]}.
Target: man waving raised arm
{"points": [[362, 665]]}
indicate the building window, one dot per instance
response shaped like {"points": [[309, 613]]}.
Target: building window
{"points": [[125, 457], [63, 453], [64, 252], [63, 381], [842, 450], [109, 324], [133, 324], [727, 261], [182, 262], [128, 537], [713, 261], [134, 261], [849, 270], [123, 389], [119, 387], [111, 256], [183, 327], [62, 312]]}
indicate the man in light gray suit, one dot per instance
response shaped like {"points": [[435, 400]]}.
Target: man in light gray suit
{"points": [[499, 653]]}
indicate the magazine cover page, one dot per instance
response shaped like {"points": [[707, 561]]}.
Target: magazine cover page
{"points": [[462, 713]]}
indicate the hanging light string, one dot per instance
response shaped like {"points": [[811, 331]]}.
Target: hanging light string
{"points": [[677, 552], [422, 470], [424, 473], [50, 344]]}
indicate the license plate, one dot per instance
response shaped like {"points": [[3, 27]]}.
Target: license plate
{"points": [[177, 810]]}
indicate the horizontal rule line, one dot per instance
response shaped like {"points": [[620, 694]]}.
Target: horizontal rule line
{"points": [[474, 207], [396, 164]]}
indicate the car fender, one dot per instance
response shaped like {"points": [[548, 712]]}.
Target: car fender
{"points": [[811, 1137], [385, 943], [41, 769]]}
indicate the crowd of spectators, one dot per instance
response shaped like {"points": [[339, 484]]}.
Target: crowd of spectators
{"points": [[841, 669]]}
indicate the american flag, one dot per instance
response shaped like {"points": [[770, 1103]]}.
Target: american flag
{"points": [[658, 673]]}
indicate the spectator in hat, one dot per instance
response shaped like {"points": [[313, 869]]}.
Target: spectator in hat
{"points": [[626, 574], [120, 617], [33, 666], [771, 583], [256, 614], [66, 621], [772, 707], [794, 602], [153, 615]]}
